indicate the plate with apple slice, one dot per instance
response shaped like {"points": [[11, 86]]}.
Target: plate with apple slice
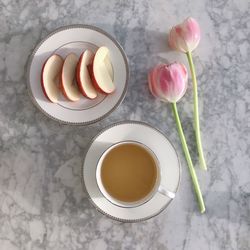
{"points": [[78, 75]]}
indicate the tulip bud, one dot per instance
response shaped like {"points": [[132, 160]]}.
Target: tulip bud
{"points": [[185, 36], [168, 82]]}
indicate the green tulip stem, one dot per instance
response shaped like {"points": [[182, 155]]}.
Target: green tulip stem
{"points": [[196, 113], [189, 160]]}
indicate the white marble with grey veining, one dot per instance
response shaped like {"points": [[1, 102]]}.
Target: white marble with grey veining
{"points": [[42, 205]]}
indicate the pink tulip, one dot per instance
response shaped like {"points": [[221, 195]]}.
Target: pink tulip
{"points": [[168, 82], [185, 36]]}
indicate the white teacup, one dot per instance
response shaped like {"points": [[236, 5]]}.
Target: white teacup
{"points": [[156, 188]]}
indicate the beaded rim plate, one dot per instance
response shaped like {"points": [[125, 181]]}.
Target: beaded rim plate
{"points": [[158, 143], [77, 38]]}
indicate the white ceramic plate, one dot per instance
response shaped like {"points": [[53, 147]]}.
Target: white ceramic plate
{"points": [[158, 143], [77, 38]]}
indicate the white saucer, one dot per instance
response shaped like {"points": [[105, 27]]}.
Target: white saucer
{"points": [[76, 39], [158, 143]]}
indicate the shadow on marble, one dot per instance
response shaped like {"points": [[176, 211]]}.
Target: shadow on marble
{"points": [[158, 41], [100, 148], [138, 39]]}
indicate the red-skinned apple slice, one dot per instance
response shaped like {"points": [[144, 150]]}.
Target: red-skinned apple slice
{"points": [[102, 72], [69, 87], [50, 77], [83, 78]]}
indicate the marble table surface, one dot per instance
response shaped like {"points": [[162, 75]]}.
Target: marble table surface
{"points": [[42, 205]]}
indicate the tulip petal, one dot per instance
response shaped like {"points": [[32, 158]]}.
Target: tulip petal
{"points": [[185, 37], [168, 82], [151, 84]]}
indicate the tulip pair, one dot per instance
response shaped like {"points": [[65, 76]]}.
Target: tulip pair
{"points": [[185, 38], [169, 83]]}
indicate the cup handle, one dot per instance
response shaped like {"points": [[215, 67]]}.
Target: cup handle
{"points": [[166, 192]]}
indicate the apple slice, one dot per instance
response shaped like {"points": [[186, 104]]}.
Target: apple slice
{"points": [[50, 77], [102, 71], [68, 84], [82, 75]]}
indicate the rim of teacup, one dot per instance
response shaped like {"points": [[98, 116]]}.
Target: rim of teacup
{"points": [[115, 201]]}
